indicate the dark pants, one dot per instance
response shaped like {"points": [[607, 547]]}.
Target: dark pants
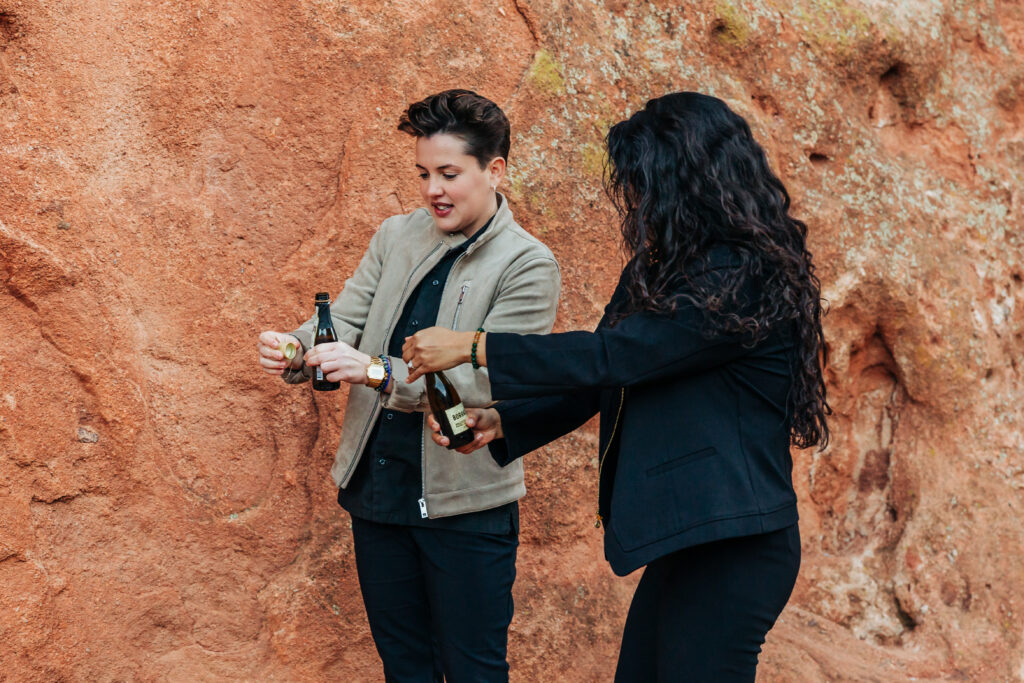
{"points": [[702, 613], [439, 602]]}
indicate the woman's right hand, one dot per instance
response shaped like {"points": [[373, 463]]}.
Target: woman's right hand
{"points": [[485, 423], [272, 359]]}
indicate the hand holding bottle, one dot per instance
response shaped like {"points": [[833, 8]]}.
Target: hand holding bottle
{"points": [[273, 347], [485, 423], [324, 334], [339, 362]]}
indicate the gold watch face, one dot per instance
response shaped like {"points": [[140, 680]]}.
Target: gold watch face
{"points": [[375, 372]]}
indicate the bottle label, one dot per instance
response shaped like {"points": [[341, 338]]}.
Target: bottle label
{"points": [[319, 374], [457, 419]]}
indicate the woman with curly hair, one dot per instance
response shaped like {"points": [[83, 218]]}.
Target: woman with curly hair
{"points": [[705, 368]]}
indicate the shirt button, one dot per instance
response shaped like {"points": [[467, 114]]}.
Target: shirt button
{"points": [[436, 283], [382, 461], [389, 415], [415, 323]]}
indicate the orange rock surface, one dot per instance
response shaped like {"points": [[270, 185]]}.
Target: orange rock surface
{"points": [[176, 177]]}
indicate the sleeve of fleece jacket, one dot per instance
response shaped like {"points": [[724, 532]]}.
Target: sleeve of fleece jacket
{"points": [[351, 307], [526, 302], [641, 348]]}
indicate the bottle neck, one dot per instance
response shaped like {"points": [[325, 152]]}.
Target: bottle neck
{"points": [[323, 313]]}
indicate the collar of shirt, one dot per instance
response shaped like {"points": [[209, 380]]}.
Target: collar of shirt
{"points": [[476, 235]]}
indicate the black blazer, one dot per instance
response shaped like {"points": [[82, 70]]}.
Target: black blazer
{"points": [[694, 434]]}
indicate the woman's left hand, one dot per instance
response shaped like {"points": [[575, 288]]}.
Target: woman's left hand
{"points": [[339, 361], [436, 348]]}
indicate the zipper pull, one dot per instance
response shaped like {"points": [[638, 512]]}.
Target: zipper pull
{"points": [[462, 294], [597, 522], [423, 508]]}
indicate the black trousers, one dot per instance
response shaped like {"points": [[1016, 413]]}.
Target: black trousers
{"points": [[702, 613], [439, 602]]}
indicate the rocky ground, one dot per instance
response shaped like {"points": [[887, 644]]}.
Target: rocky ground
{"points": [[176, 177]]}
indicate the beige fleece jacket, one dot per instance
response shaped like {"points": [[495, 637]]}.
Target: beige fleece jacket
{"points": [[506, 281]]}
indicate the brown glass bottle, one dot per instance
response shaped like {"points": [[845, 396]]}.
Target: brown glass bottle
{"points": [[448, 410], [324, 333]]}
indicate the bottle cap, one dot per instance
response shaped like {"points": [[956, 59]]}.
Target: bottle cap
{"points": [[323, 296]]}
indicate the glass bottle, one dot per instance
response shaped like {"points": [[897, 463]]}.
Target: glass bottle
{"points": [[448, 410], [324, 333]]}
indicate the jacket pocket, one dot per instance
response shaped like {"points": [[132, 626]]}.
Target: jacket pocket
{"points": [[680, 461], [685, 492], [458, 306]]}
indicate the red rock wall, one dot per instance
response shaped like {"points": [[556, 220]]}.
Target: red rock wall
{"points": [[175, 177]]}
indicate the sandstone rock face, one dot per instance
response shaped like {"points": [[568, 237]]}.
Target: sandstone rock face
{"points": [[176, 177]]}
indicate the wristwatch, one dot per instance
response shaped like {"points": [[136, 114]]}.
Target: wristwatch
{"points": [[375, 372]]}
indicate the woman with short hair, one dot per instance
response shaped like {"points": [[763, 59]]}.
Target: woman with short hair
{"points": [[435, 531]]}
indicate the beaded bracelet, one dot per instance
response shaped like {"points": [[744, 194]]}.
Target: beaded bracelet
{"points": [[472, 356], [387, 373]]}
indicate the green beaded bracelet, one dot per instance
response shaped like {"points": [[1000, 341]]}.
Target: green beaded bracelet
{"points": [[472, 355]]}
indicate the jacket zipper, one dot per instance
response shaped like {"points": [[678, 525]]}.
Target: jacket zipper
{"points": [[423, 474], [384, 345], [611, 439], [423, 451], [458, 306]]}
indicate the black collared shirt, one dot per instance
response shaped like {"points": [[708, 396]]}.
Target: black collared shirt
{"points": [[388, 480]]}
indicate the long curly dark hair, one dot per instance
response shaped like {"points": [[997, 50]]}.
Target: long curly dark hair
{"points": [[687, 176]]}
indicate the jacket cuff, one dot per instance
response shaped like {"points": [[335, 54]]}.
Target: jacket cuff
{"points": [[503, 384], [296, 376], [406, 398], [499, 452], [511, 446], [305, 338]]}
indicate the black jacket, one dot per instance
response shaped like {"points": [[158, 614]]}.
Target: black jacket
{"points": [[694, 434]]}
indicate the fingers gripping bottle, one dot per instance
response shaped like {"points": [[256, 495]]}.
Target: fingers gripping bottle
{"points": [[324, 333], [448, 410]]}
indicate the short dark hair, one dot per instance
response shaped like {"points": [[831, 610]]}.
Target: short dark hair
{"points": [[480, 123]]}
